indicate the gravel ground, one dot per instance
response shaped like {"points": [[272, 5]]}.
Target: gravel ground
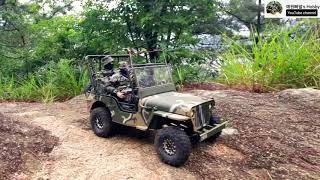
{"points": [[277, 137], [22, 145]]}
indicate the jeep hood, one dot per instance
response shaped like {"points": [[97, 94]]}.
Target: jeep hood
{"points": [[174, 102]]}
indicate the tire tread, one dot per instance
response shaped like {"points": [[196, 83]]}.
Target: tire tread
{"points": [[105, 114], [184, 143]]}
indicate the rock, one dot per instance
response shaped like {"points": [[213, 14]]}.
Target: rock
{"points": [[229, 131], [306, 97]]}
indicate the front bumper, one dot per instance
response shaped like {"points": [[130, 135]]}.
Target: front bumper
{"points": [[209, 131]]}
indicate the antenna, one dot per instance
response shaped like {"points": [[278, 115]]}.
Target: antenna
{"points": [[130, 55]]}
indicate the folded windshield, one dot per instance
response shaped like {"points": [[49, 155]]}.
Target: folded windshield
{"points": [[150, 76]]}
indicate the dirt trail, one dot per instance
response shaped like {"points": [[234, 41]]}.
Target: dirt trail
{"points": [[82, 155], [278, 138]]}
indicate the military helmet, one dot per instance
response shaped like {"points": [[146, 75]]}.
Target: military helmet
{"points": [[107, 59]]}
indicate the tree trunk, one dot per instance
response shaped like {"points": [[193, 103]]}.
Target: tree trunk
{"points": [[259, 19], [2, 2], [152, 40], [150, 33]]}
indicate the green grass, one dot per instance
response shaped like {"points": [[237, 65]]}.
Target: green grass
{"points": [[274, 63], [191, 73], [57, 82]]}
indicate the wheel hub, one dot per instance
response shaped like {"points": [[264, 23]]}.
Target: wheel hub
{"points": [[99, 123], [169, 147]]}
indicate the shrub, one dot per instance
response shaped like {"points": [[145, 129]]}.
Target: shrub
{"points": [[190, 73], [55, 82], [285, 59]]}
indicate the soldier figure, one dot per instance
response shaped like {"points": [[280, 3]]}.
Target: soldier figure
{"points": [[116, 82], [108, 66]]}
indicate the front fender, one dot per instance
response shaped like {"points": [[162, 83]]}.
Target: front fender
{"points": [[172, 116]]}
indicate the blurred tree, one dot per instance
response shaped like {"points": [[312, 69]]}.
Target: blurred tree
{"points": [[148, 24], [14, 35], [18, 41], [245, 12]]}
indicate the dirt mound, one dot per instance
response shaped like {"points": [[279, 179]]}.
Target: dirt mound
{"points": [[278, 137], [78, 100], [213, 86], [306, 97], [22, 145]]}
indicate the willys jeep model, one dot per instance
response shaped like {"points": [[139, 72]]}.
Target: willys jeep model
{"points": [[178, 119]]}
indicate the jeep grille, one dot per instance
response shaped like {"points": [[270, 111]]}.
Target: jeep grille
{"points": [[202, 115]]}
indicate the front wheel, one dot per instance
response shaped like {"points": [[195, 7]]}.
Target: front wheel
{"points": [[173, 146], [101, 121]]}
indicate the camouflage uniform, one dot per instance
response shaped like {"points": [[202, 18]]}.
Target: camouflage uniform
{"points": [[117, 82], [107, 73], [114, 83]]}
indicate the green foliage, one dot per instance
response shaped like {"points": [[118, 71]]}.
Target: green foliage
{"points": [[35, 45], [191, 73], [57, 82], [145, 24], [284, 59], [189, 66]]}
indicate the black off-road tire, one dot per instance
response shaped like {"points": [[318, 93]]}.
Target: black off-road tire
{"points": [[181, 142], [102, 127], [214, 119]]}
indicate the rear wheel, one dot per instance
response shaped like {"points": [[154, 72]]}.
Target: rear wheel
{"points": [[101, 121], [173, 146]]}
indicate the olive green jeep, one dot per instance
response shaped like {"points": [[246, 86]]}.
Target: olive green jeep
{"points": [[178, 119]]}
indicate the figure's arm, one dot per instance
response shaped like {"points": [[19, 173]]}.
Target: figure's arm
{"points": [[111, 90], [114, 91]]}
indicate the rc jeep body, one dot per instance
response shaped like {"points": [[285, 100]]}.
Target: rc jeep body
{"points": [[179, 119]]}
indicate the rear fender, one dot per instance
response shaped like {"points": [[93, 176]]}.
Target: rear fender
{"points": [[95, 105], [90, 101]]}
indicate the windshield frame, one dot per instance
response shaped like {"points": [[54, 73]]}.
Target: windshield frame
{"points": [[156, 65]]}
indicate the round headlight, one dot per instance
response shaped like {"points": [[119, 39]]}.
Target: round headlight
{"points": [[192, 113]]}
